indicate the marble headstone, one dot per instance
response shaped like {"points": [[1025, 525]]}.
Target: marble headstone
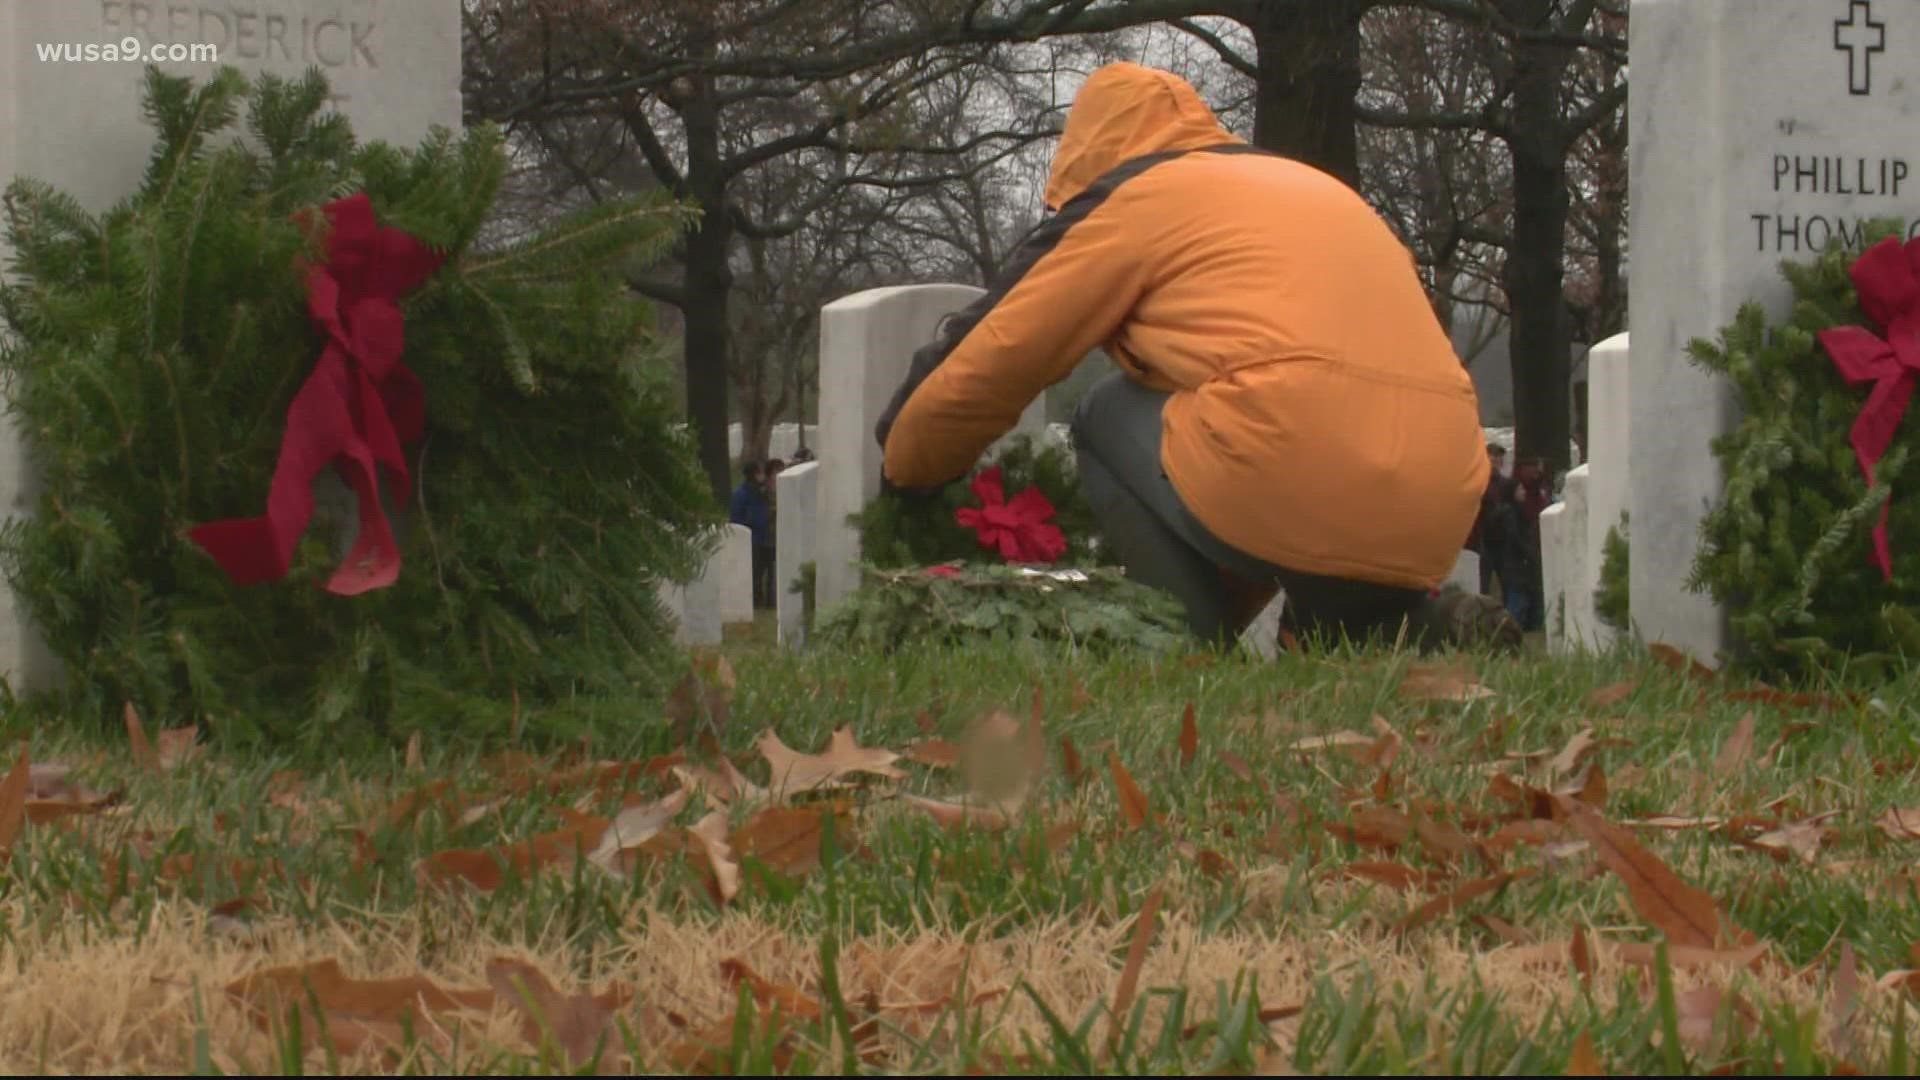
{"points": [[797, 490], [732, 572], [867, 341], [1609, 430], [76, 123], [1760, 131]]}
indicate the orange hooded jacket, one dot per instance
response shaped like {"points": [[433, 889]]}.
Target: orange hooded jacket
{"points": [[1319, 418]]}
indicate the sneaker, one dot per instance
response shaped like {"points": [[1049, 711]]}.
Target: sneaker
{"points": [[1464, 620]]}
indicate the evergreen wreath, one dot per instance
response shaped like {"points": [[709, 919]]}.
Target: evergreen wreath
{"points": [[153, 354], [1789, 547], [902, 533]]}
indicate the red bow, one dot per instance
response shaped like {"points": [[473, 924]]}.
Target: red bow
{"points": [[355, 410], [1018, 528], [1889, 290]]}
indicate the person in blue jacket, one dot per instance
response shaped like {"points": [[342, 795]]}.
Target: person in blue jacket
{"points": [[750, 508]]}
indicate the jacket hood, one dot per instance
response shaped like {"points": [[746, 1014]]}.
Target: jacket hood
{"points": [[1127, 111]]}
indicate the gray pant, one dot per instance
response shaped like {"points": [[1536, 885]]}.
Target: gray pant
{"points": [[1116, 437]]}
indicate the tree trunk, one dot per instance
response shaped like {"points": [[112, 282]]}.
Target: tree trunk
{"points": [[708, 283], [1534, 275], [1309, 75]]}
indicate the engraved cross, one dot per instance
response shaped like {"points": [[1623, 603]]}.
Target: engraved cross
{"points": [[1859, 36]]}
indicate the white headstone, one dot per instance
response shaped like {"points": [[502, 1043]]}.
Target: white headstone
{"points": [[695, 610], [732, 572], [1566, 570], [1760, 130], [1609, 437], [867, 341], [76, 122], [796, 490]]}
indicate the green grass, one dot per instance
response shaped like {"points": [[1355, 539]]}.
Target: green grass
{"points": [[328, 870]]}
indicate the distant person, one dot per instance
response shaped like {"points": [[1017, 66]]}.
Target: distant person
{"points": [[1289, 412], [802, 456], [750, 508], [1483, 541]]}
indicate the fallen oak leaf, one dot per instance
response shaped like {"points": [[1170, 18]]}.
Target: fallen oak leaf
{"points": [[1680, 662], [1070, 762], [269, 991], [725, 785], [1335, 741], [1685, 914], [1608, 696], [1146, 923], [788, 1001], [1374, 826], [1189, 741], [579, 1025], [794, 772], [1900, 824], [709, 836], [1844, 1002], [1800, 840], [1443, 905], [633, 827], [1429, 682], [1568, 759], [13, 802], [1738, 748], [1134, 808], [960, 814], [1504, 930], [789, 840], [1392, 875]]}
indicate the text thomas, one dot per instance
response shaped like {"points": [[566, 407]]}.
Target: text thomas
{"points": [[250, 32]]}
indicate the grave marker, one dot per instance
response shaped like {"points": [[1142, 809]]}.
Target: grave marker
{"points": [[1760, 130], [77, 124]]}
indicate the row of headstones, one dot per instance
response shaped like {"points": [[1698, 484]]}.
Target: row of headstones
{"points": [[1782, 146], [1573, 531]]}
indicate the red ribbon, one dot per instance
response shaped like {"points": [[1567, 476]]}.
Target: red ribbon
{"points": [[1018, 529], [356, 409], [1889, 289]]}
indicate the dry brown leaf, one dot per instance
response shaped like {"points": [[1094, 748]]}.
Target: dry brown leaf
{"points": [[1144, 927], [1134, 808], [578, 1025], [486, 869], [269, 992], [1800, 840], [1070, 761], [955, 815], [415, 759], [1590, 788], [1392, 875], [1211, 863], [1504, 930], [1568, 759], [1900, 824], [1432, 682], [1685, 914], [1844, 1002], [1374, 826], [1680, 662], [631, 828], [1335, 741], [13, 802], [1189, 741], [1385, 749], [1582, 954], [1737, 750], [1238, 766], [797, 773], [709, 835], [1443, 842], [1583, 1061], [724, 785], [1673, 823], [1535, 831], [789, 839], [1440, 906], [789, 1001], [143, 753], [1608, 696]]}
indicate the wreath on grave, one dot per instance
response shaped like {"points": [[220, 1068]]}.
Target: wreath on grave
{"points": [[1012, 553], [1811, 544], [251, 316]]}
